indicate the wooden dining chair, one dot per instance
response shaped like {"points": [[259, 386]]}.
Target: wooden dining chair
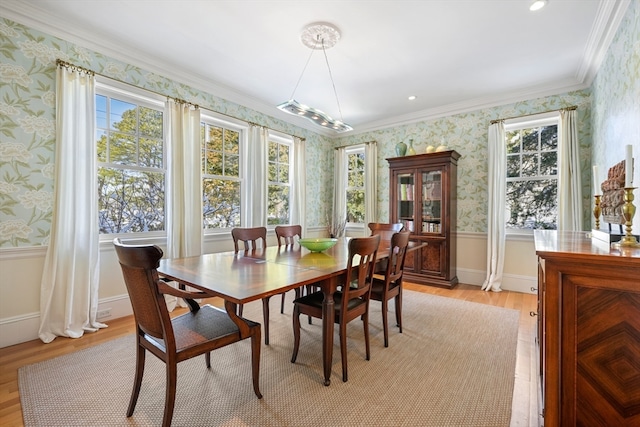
{"points": [[351, 302], [197, 332], [385, 231], [285, 234], [250, 237], [384, 289]]}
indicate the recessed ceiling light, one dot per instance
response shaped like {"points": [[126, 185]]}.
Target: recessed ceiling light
{"points": [[412, 97], [537, 5]]}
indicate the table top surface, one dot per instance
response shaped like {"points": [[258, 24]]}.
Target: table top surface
{"points": [[253, 275]]}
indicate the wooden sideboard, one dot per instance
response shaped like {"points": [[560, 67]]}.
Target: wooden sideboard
{"points": [[589, 331]]}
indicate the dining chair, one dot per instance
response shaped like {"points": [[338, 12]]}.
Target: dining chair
{"points": [[385, 231], [384, 289], [350, 303], [194, 333], [285, 234], [250, 237]]}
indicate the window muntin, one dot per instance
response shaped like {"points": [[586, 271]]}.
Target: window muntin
{"points": [[532, 177], [221, 174], [131, 163], [355, 185], [279, 182]]}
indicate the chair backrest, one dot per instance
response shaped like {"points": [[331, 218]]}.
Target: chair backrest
{"points": [[139, 267], [250, 237], [286, 233], [397, 255], [359, 277], [385, 230]]}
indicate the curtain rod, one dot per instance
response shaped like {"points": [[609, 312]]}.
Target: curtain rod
{"points": [[74, 67], [351, 145], [573, 107]]}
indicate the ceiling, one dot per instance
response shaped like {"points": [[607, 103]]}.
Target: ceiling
{"points": [[453, 55]]}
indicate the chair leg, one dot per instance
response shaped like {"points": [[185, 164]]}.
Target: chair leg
{"points": [[137, 381], [343, 350], [296, 333], [265, 314], [365, 320], [207, 359], [399, 310], [282, 303], [240, 306], [170, 397], [385, 320], [255, 362]]}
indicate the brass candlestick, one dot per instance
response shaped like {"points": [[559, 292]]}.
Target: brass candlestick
{"points": [[628, 211], [597, 211]]}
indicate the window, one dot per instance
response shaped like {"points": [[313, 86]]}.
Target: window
{"points": [[279, 178], [221, 173], [532, 175], [355, 185], [131, 162]]}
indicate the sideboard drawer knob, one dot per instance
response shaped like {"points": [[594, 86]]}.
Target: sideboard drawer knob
{"points": [[534, 289], [533, 314]]}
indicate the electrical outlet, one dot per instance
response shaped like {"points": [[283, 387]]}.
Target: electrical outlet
{"points": [[101, 314]]}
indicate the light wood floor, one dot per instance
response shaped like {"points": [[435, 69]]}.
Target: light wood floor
{"points": [[12, 358]]}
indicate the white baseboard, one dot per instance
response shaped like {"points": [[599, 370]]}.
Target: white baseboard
{"points": [[19, 329], [510, 282]]}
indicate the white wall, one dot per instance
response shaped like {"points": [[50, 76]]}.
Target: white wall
{"points": [[22, 272]]}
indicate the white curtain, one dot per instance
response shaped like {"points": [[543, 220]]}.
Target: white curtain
{"points": [[340, 188], [569, 182], [69, 287], [299, 180], [370, 183], [496, 207], [184, 185], [254, 213]]}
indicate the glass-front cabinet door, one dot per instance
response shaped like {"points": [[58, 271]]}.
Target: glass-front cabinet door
{"points": [[432, 217], [406, 200]]}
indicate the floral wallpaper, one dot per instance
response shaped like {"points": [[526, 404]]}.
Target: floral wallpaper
{"points": [[616, 101], [467, 133], [608, 114], [27, 123]]}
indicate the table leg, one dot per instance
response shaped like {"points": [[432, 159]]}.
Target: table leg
{"points": [[328, 316]]}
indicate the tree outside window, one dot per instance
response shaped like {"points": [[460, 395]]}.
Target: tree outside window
{"points": [[532, 177], [221, 183], [355, 186], [279, 188], [131, 171]]}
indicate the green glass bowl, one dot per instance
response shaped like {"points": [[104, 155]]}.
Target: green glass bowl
{"points": [[317, 244]]}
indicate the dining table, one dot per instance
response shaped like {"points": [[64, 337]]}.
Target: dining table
{"points": [[246, 276]]}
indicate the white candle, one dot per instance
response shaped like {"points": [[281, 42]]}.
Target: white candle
{"points": [[596, 180], [628, 168]]}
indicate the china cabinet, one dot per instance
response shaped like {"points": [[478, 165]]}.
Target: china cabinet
{"points": [[422, 196]]}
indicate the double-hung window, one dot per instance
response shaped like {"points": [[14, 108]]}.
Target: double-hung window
{"points": [[131, 161], [532, 174], [355, 185], [279, 180], [222, 182]]}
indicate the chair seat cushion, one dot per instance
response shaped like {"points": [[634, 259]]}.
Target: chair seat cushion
{"points": [[208, 323]]}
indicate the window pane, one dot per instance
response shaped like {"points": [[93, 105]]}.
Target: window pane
{"points": [[221, 203], [532, 204], [355, 206], [215, 139], [513, 142], [278, 206], [151, 153], [123, 116], [101, 111], [101, 138], [283, 173], [513, 166], [151, 123], [232, 165], [273, 151], [530, 164], [549, 138], [283, 153], [122, 149], [213, 164], [231, 141], [530, 140], [130, 201], [549, 163], [273, 172]]}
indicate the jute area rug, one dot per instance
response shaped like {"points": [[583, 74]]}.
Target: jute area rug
{"points": [[453, 365]]}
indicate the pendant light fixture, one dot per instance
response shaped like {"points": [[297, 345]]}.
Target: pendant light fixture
{"points": [[317, 36]]}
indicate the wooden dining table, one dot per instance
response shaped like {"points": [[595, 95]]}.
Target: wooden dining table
{"points": [[243, 277]]}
